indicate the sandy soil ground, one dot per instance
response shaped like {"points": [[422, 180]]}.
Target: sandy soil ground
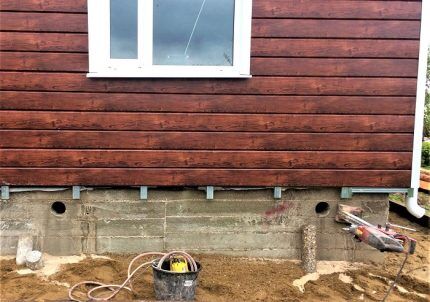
{"points": [[235, 279]]}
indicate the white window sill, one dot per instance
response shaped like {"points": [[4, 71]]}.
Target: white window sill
{"points": [[165, 75]]}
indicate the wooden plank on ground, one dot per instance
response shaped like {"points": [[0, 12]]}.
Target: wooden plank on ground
{"points": [[425, 185], [424, 177]]}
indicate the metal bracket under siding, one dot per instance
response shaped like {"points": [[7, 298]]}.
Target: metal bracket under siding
{"points": [[277, 193], [209, 192], [76, 192], [144, 193], [5, 192], [347, 192]]}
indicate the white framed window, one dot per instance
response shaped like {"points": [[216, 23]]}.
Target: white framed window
{"points": [[169, 38]]}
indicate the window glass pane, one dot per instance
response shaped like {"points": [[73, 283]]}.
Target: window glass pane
{"points": [[193, 32], [123, 29]]}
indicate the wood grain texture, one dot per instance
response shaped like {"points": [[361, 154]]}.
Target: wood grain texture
{"points": [[334, 67], [299, 28], [45, 5], [268, 28], [204, 159], [204, 140], [337, 9], [257, 85], [201, 177], [257, 104], [264, 8], [272, 47], [43, 42], [335, 48], [42, 22], [33, 61], [205, 122], [331, 103]]}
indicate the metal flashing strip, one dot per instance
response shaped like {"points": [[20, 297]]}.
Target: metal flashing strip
{"points": [[347, 192]]}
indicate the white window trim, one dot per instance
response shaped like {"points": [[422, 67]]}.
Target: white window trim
{"points": [[102, 66]]}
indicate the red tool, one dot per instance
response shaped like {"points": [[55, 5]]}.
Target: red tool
{"points": [[384, 239]]}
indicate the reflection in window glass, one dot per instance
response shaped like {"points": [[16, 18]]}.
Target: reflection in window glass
{"points": [[123, 29], [193, 32]]}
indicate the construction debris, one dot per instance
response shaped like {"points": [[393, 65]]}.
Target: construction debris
{"points": [[25, 245], [33, 260]]}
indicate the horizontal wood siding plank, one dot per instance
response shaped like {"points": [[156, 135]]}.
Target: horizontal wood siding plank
{"points": [[52, 22], [77, 6], [333, 48], [205, 122], [334, 67], [204, 140], [21, 100], [329, 9], [267, 28], [205, 159], [200, 177], [297, 28], [261, 86], [264, 8], [25, 41], [33, 61], [331, 103]]}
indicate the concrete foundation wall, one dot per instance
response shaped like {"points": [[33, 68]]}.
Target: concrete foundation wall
{"points": [[246, 223]]}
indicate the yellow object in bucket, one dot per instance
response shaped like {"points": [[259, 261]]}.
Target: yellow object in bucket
{"points": [[178, 264]]}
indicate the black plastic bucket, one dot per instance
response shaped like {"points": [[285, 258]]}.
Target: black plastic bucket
{"points": [[173, 286]]}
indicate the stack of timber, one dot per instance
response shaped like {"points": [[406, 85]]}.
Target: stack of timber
{"points": [[425, 180]]}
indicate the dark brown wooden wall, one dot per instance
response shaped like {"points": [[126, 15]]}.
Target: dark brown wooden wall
{"points": [[331, 103]]}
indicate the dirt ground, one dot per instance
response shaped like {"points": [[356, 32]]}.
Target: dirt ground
{"points": [[238, 279]]}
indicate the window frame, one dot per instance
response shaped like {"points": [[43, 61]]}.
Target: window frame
{"points": [[101, 65]]}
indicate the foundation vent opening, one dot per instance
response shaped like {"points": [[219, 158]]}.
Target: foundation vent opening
{"points": [[322, 209], [58, 208]]}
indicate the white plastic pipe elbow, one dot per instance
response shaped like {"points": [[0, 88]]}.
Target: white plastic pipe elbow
{"points": [[413, 207]]}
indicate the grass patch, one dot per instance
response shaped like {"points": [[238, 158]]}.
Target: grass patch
{"points": [[398, 197]]}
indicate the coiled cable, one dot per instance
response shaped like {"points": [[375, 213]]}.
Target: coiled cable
{"points": [[115, 288]]}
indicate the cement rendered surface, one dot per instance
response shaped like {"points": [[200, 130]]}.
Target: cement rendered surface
{"points": [[241, 223]]}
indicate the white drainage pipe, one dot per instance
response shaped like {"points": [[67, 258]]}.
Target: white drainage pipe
{"points": [[412, 201], [412, 205]]}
